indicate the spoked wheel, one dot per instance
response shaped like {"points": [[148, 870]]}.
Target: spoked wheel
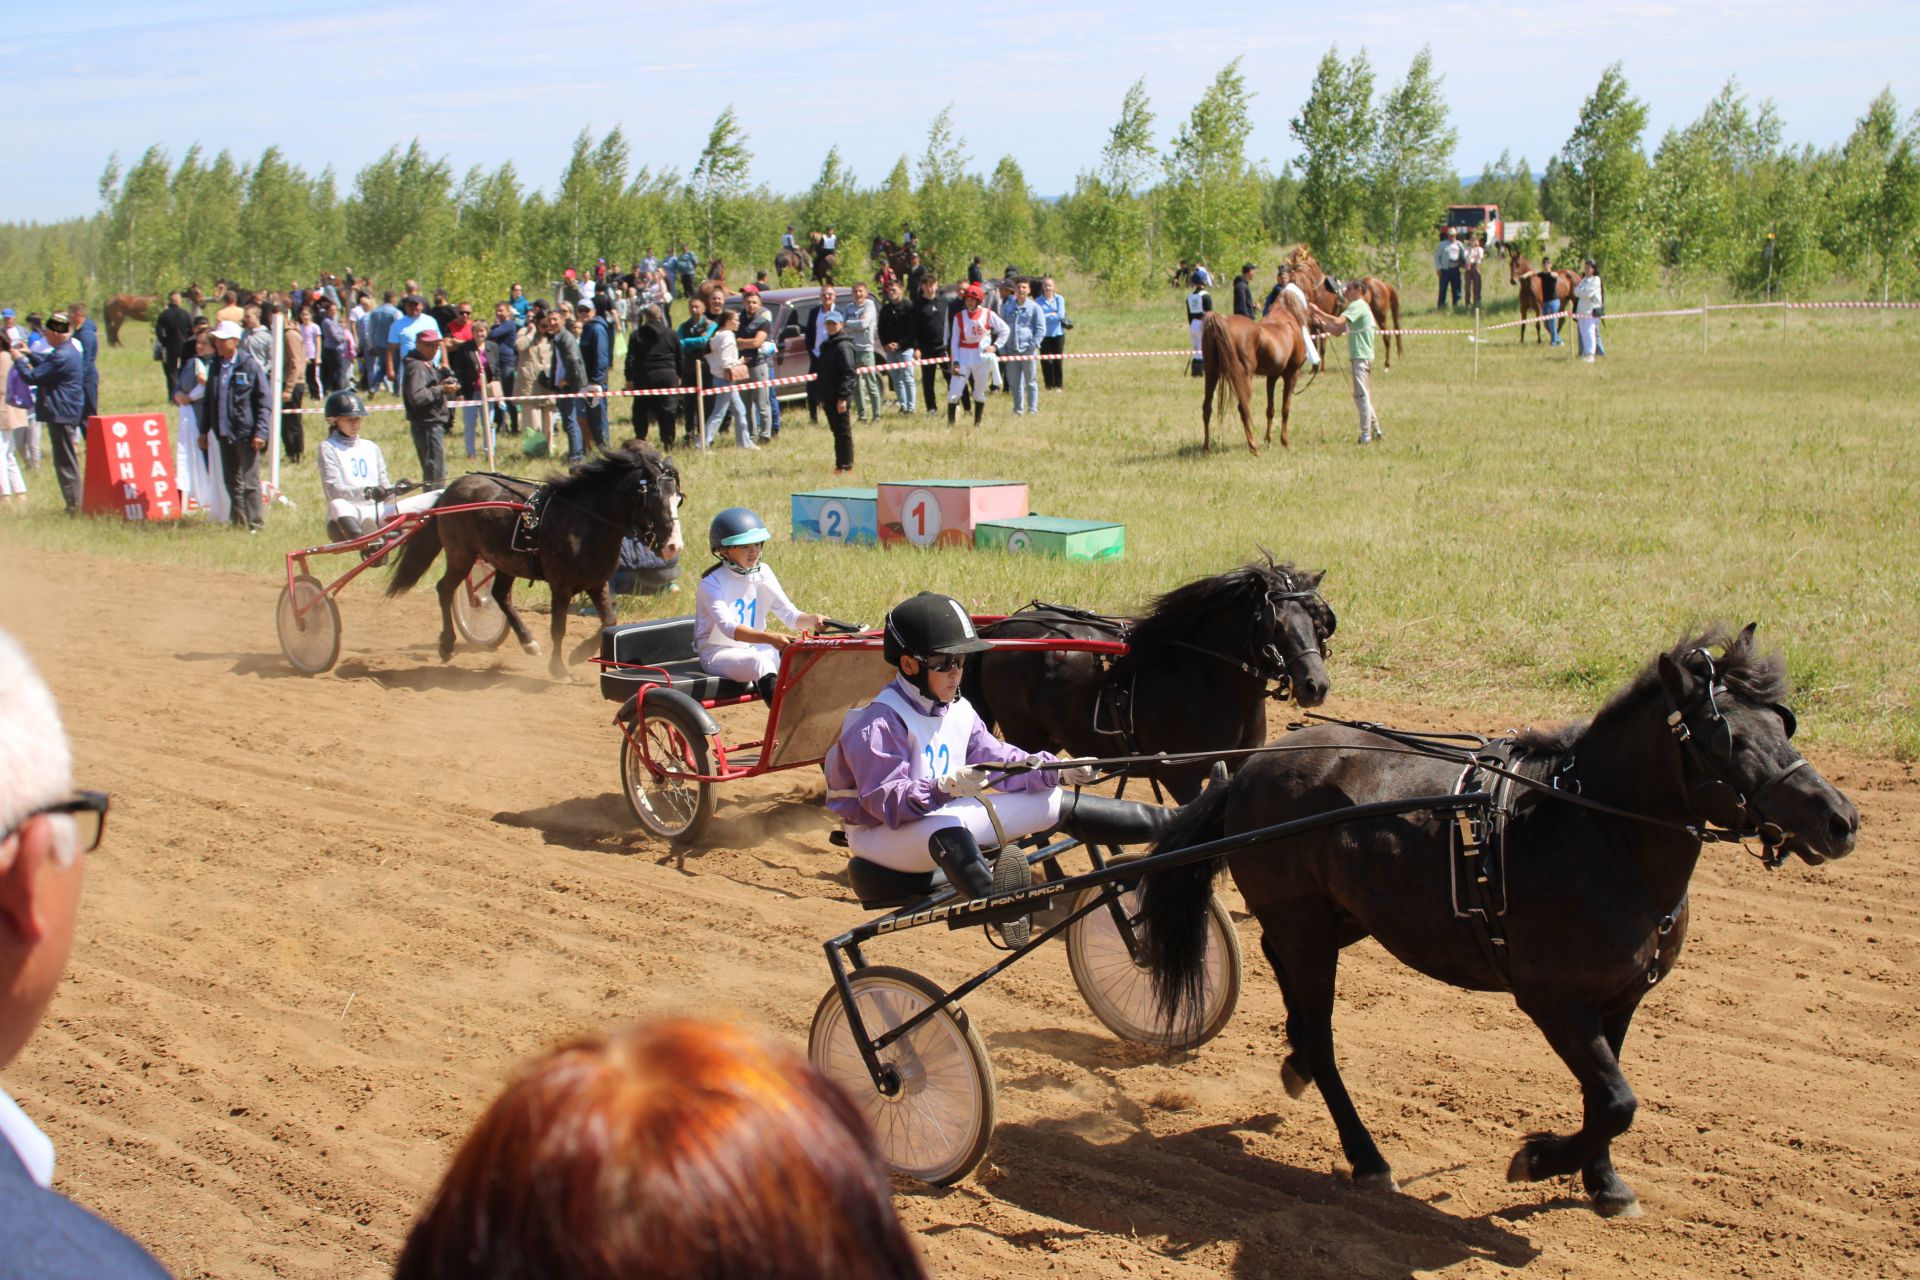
{"points": [[672, 808], [476, 615], [937, 1121], [309, 625], [1120, 991]]}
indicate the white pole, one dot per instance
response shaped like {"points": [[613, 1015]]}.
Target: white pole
{"points": [[1703, 325], [278, 395], [699, 404], [486, 415], [1476, 344]]}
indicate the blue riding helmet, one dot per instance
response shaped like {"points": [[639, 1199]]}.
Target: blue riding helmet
{"points": [[736, 527]]}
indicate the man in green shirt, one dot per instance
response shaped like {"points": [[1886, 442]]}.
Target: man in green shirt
{"points": [[1356, 321]]}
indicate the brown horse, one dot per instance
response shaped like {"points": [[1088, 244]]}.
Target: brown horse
{"points": [[887, 253], [1324, 292], [795, 260], [1233, 350], [825, 261], [122, 307], [1533, 291]]}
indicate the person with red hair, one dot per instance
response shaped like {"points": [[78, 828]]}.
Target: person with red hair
{"points": [[680, 1149]]}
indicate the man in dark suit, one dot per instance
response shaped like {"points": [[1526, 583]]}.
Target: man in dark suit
{"points": [[46, 831], [58, 376], [173, 331], [235, 414], [87, 338]]}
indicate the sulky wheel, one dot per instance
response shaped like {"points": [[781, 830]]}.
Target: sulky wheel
{"points": [[1120, 991], [672, 808], [477, 616], [309, 625], [936, 1122]]}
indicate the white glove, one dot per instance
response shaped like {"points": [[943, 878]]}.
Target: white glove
{"points": [[1074, 775], [967, 780]]}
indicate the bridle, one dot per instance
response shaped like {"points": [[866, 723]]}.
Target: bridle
{"points": [[1268, 662], [1719, 788]]}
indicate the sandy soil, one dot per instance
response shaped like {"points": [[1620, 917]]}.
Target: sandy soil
{"points": [[333, 914]]}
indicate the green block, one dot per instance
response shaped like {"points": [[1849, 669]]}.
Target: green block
{"points": [[1053, 536]]}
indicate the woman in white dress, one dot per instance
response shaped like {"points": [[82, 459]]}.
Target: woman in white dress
{"points": [[196, 469]]}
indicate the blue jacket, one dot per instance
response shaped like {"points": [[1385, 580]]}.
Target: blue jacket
{"points": [[239, 416], [87, 338], [1026, 325], [60, 376], [596, 350], [49, 1237]]}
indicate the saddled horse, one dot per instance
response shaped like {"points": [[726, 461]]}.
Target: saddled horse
{"points": [[798, 261], [1569, 889], [1324, 292], [1234, 350], [1201, 665], [889, 254], [1533, 290], [581, 516], [122, 307], [825, 261]]}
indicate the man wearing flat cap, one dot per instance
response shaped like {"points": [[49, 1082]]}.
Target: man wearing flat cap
{"points": [[59, 375]]}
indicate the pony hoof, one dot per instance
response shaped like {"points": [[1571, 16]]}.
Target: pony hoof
{"points": [[531, 647], [1520, 1168], [1294, 1080], [1382, 1181], [1627, 1206]]}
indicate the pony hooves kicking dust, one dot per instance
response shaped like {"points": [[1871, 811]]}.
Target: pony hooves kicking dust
{"points": [[1559, 873], [568, 535]]}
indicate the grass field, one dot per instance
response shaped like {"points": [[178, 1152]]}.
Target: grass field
{"points": [[1524, 538]]}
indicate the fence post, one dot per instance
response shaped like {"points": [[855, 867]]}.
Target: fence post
{"points": [[1476, 344], [486, 414], [1703, 324], [276, 393], [699, 407]]}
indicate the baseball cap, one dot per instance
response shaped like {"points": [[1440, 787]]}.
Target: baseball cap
{"points": [[752, 288], [225, 329], [835, 317], [568, 273], [6, 313], [427, 333]]}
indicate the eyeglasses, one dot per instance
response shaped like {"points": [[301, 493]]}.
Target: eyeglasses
{"points": [[81, 822], [945, 663]]}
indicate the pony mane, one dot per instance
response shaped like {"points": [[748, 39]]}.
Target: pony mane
{"points": [[1753, 675], [601, 468], [1174, 615]]}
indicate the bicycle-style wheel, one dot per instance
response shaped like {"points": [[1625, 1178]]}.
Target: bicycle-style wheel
{"points": [[476, 615], [1120, 991], [938, 1121], [672, 808], [309, 625]]}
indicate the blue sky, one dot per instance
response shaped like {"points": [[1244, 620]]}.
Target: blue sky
{"points": [[337, 84]]}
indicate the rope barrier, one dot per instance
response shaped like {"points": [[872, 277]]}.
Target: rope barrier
{"points": [[1558, 317]]}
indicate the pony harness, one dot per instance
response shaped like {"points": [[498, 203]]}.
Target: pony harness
{"points": [[1477, 856], [526, 530]]}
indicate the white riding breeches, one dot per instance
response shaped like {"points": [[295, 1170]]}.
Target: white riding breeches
{"points": [[743, 662], [904, 848], [370, 519], [978, 373]]}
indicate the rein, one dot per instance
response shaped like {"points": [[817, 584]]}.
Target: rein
{"points": [[1276, 673]]}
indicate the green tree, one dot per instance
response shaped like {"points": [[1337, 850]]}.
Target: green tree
{"points": [[830, 201], [1412, 169], [893, 206], [1107, 222], [1335, 130], [277, 218], [1213, 193], [949, 209], [1601, 178], [400, 217], [721, 172], [1010, 225], [136, 210]]}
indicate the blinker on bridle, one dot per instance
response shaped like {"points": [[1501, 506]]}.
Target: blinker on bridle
{"points": [[1747, 817]]}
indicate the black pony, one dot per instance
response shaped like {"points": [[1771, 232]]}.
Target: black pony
{"points": [[582, 516], [1597, 856], [1197, 674]]}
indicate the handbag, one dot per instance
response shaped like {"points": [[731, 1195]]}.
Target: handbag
{"points": [[737, 373]]}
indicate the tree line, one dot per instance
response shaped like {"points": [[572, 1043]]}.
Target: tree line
{"points": [[1721, 200]]}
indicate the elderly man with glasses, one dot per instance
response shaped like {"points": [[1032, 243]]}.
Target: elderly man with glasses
{"points": [[46, 829]]}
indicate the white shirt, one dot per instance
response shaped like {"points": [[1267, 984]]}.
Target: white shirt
{"points": [[350, 467], [726, 600], [34, 1148], [1586, 296]]}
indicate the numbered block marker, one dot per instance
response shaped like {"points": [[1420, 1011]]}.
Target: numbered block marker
{"points": [[937, 513], [847, 516], [1053, 536]]}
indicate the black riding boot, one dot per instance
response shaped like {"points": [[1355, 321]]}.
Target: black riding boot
{"points": [[345, 528], [1105, 820], [764, 686], [979, 407], [956, 852], [953, 408]]}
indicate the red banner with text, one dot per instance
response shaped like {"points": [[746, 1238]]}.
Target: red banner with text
{"points": [[130, 468]]}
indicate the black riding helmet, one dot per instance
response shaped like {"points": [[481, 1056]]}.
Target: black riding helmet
{"points": [[346, 404], [927, 624]]}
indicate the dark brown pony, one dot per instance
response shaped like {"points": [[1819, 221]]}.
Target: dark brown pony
{"points": [[1590, 899], [576, 545], [122, 307], [1323, 292], [797, 260], [1533, 290], [1234, 350], [890, 254]]}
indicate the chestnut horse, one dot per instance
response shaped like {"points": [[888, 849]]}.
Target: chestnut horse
{"points": [[1520, 272], [1233, 349], [887, 253], [1324, 292], [795, 260], [824, 260], [122, 307]]}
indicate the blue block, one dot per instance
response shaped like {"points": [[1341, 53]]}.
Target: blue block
{"points": [[836, 515]]}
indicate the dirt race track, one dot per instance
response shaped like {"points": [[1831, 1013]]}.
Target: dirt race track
{"points": [[333, 914]]}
